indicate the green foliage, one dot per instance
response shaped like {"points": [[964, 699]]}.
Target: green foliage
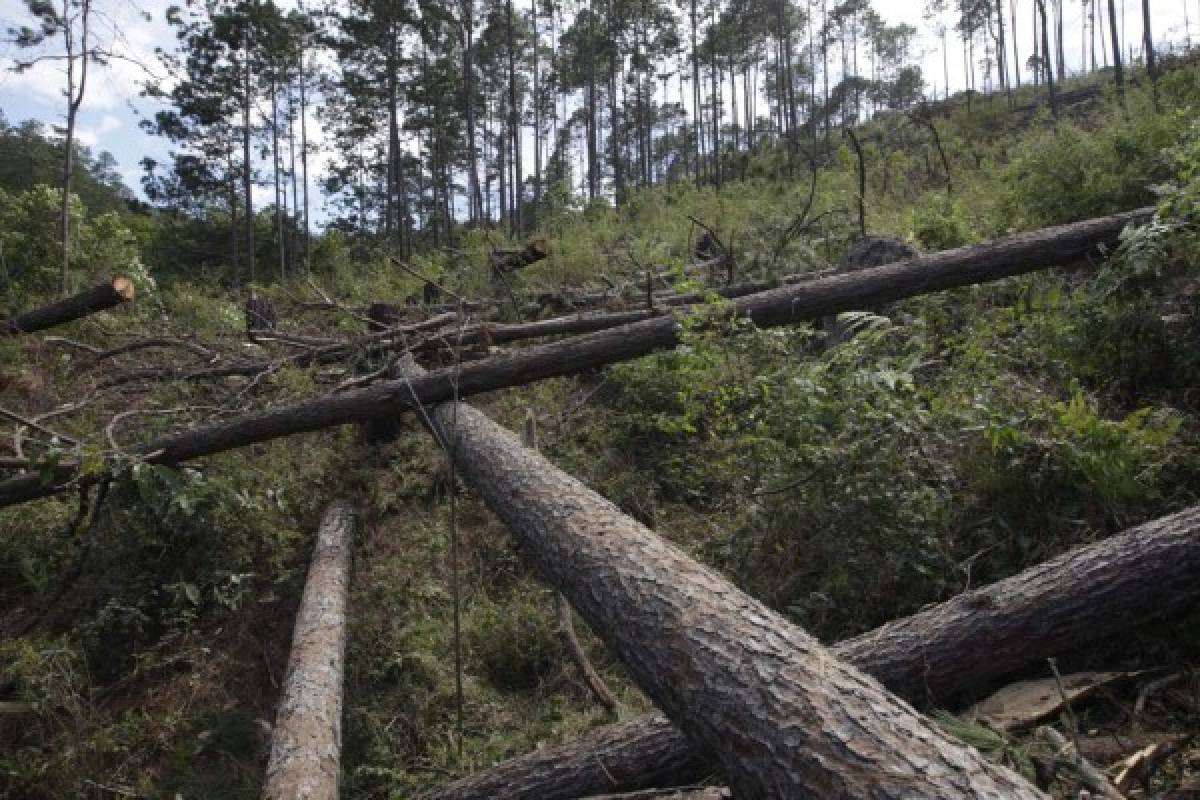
{"points": [[515, 643], [31, 250], [993, 744], [940, 223], [29, 159], [1068, 173]]}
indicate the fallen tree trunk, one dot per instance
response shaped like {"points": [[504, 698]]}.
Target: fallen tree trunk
{"points": [[306, 745], [780, 714], [503, 261], [705, 793], [806, 301], [936, 656], [99, 298]]}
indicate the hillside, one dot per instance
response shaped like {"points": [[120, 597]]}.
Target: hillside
{"points": [[845, 471]]}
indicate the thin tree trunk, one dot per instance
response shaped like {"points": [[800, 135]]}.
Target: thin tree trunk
{"points": [[1151, 63], [714, 79], [593, 168], [74, 101], [514, 121], [1061, 52], [234, 231], [1012, 11], [1041, 5], [614, 115], [291, 118], [1118, 68], [939, 656], [537, 110], [307, 741], [475, 197], [825, 63], [1039, 67], [782, 716], [697, 117], [277, 169], [393, 147], [1001, 52], [248, 164], [304, 163]]}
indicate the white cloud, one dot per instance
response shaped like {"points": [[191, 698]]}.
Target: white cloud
{"points": [[90, 135]]}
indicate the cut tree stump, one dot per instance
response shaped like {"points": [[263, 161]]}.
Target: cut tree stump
{"points": [[307, 742], [99, 298], [938, 656]]}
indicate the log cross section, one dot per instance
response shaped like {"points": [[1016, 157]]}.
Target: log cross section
{"points": [[307, 741], [782, 715]]}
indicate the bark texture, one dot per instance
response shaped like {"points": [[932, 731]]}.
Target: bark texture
{"points": [[939, 655], [781, 715], [963, 266], [307, 743], [705, 793], [98, 298]]}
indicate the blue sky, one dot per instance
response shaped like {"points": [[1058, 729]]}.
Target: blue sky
{"points": [[112, 108]]}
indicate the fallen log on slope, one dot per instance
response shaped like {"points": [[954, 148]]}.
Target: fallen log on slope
{"points": [[781, 715], [99, 298], [510, 260], [307, 741], [959, 647], [787, 305]]}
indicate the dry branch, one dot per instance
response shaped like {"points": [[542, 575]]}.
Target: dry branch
{"points": [[936, 656], [780, 714], [99, 298], [1066, 753], [307, 740], [384, 341], [787, 305]]}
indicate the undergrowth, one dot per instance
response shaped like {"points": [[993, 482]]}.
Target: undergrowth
{"points": [[953, 440]]}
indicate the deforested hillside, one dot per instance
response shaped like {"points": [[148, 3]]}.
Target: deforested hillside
{"points": [[604, 400]]}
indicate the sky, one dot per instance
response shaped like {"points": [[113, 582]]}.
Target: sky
{"points": [[112, 109]]}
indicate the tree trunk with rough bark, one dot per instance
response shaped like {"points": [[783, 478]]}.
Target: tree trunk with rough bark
{"points": [[307, 742], [964, 266], [944, 653], [98, 298], [705, 793], [781, 715]]}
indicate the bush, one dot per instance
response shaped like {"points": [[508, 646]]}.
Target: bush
{"points": [[1067, 173], [515, 643]]}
